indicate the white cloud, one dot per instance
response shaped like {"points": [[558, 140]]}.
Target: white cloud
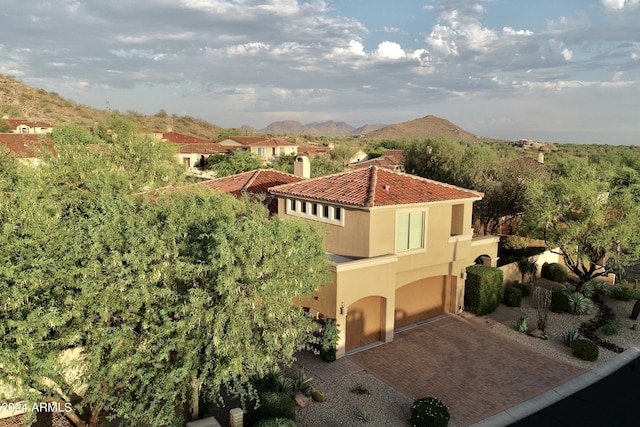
{"points": [[619, 4], [567, 54], [390, 50]]}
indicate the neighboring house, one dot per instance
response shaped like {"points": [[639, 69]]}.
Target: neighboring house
{"points": [[29, 127], [270, 150], [391, 159], [193, 150], [255, 183], [359, 156], [314, 152], [27, 148], [240, 141], [398, 244], [195, 155]]}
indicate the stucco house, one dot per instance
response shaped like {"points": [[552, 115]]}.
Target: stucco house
{"points": [[32, 127], [269, 150], [398, 247]]}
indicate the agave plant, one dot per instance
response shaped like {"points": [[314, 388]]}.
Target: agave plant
{"points": [[522, 324], [570, 337], [579, 304]]}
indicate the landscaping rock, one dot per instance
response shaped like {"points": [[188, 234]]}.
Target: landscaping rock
{"points": [[301, 400], [537, 333]]}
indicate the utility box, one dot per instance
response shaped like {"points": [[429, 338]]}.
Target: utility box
{"points": [[235, 417], [205, 422]]}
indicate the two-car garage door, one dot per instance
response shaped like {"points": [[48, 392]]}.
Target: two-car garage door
{"points": [[415, 302]]}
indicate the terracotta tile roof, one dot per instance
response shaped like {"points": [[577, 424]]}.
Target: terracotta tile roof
{"points": [[204, 148], [391, 159], [14, 123], [372, 187], [25, 145], [272, 142], [180, 138], [313, 151], [246, 140], [256, 182]]}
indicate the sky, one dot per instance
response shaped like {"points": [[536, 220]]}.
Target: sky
{"points": [[555, 71]]}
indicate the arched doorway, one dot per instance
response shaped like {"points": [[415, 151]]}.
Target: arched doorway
{"points": [[365, 323]]}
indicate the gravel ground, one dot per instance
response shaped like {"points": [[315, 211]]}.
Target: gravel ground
{"points": [[384, 405]]}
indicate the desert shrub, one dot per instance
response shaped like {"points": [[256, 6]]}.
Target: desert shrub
{"points": [[274, 404], [524, 287], [274, 380], [542, 303], [329, 340], [275, 422], [570, 337], [429, 412], [522, 326], [624, 291], [513, 296], [579, 304], [585, 350], [482, 289], [559, 302], [612, 327], [556, 272], [516, 242]]}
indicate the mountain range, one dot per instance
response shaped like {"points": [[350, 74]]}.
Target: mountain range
{"points": [[18, 100]]}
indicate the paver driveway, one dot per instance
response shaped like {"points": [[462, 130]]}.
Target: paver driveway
{"points": [[459, 360]]}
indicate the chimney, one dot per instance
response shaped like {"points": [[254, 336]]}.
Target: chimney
{"points": [[541, 158], [302, 167]]}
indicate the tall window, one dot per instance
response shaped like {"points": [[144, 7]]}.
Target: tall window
{"points": [[261, 151], [410, 231]]}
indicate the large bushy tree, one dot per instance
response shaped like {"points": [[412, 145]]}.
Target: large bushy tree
{"points": [[593, 224], [142, 302]]}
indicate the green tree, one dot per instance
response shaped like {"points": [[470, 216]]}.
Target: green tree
{"points": [[162, 297], [238, 162], [590, 223]]}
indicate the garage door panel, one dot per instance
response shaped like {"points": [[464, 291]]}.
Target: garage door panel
{"points": [[422, 300], [364, 322]]}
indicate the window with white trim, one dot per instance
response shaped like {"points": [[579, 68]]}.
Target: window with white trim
{"points": [[409, 231], [315, 211]]}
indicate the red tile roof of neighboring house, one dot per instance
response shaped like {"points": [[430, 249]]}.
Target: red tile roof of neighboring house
{"points": [[313, 151], [374, 186], [25, 145], [255, 182], [180, 138], [204, 148], [391, 159], [14, 123], [246, 140], [272, 142]]}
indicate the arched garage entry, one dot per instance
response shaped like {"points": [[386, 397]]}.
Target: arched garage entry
{"points": [[365, 324], [422, 300]]}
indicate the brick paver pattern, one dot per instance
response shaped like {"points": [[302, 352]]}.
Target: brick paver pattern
{"points": [[474, 371]]}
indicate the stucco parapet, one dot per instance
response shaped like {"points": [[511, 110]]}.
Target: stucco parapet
{"points": [[485, 240], [344, 264]]}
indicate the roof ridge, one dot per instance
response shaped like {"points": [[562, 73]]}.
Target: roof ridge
{"points": [[433, 181], [373, 179], [247, 184]]}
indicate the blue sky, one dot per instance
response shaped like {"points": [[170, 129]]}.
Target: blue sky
{"points": [[560, 71]]}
